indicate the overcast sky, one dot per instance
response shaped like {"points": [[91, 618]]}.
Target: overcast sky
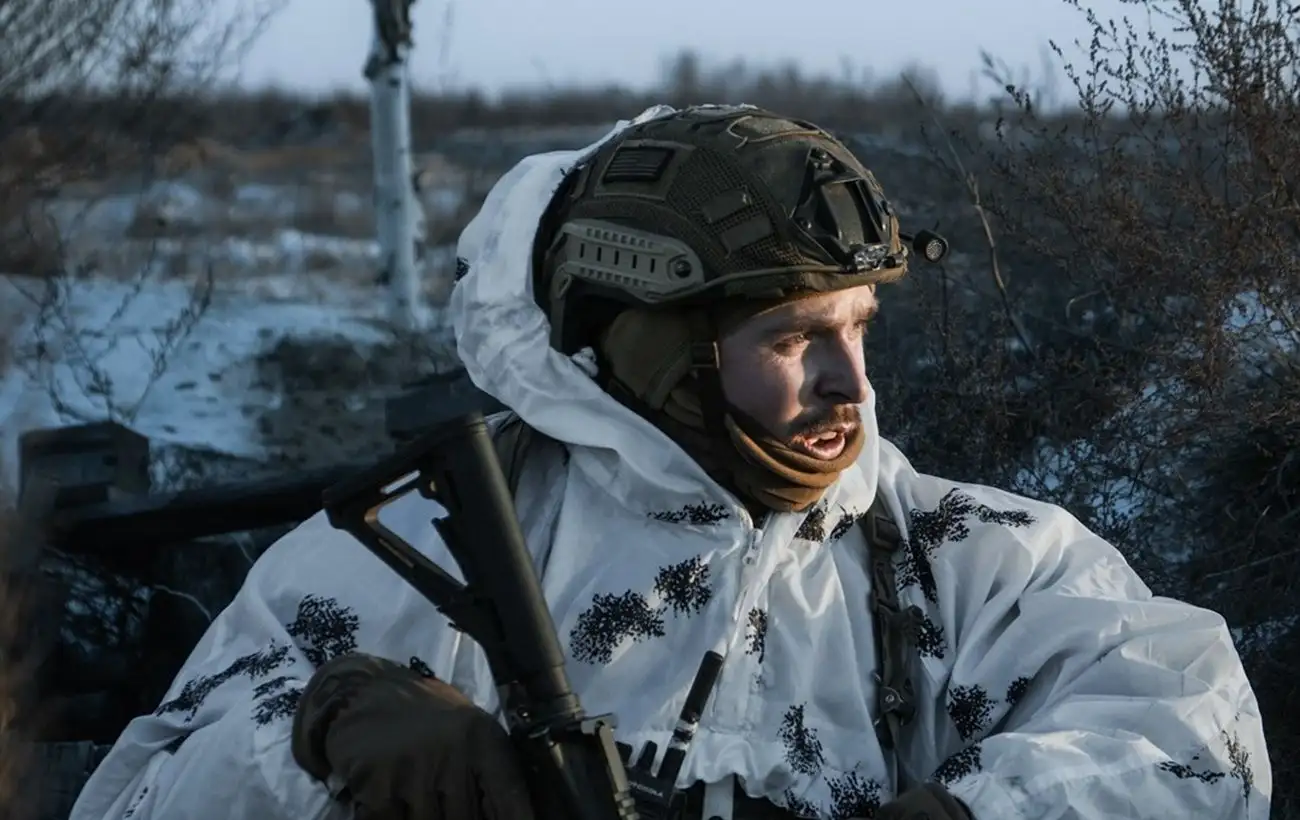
{"points": [[320, 45]]}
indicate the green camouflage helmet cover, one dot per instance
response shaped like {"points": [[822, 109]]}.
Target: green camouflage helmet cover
{"points": [[712, 203]]}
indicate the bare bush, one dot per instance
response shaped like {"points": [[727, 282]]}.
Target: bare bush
{"points": [[88, 90], [1171, 220], [85, 84], [71, 357], [1131, 347]]}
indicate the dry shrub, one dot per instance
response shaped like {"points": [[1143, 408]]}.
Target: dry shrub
{"points": [[1130, 345], [86, 87], [1170, 222], [90, 90]]}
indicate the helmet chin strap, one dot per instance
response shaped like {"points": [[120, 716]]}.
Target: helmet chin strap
{"points": [[706, 366]]}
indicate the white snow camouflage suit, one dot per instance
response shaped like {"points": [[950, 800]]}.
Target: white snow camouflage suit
{"points": [[1051, 684]]}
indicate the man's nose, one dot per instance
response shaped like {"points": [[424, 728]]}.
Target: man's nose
{"points": [[844, 374]]}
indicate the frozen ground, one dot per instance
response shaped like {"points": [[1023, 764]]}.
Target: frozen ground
{"points": [[236, 333]]}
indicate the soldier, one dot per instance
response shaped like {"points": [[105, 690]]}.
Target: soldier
{"points": [[677, 313]]}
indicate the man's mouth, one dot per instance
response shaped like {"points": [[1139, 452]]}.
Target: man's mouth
{"points": [[825, 445]]}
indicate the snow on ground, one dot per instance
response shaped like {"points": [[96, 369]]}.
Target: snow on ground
{"points": [[1266, 327], [92, 342]]}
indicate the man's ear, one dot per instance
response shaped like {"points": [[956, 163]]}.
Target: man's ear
{"points": [[729, 356]]}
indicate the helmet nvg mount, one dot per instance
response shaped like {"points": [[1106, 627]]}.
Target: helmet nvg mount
{"points": [[714, 203]]}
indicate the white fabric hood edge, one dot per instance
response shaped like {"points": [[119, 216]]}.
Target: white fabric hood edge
{"points": [[503, 340]]}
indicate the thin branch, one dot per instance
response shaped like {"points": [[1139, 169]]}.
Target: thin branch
{"points": [[972, 187]]}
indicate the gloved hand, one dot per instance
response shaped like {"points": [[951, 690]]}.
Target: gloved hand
{"points": [[406, 746], [926, 802]]}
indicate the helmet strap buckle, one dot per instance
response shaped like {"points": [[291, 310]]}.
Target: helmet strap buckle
{"points": [[706, 366]]}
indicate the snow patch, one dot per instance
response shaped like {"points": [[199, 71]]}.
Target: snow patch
{"points": [[97, 355]]}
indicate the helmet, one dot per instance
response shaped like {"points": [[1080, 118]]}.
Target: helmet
{"points": [[707, 206], [710, 204]]}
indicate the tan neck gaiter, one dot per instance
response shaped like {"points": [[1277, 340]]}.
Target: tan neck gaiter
{"points": [[648, 354]]}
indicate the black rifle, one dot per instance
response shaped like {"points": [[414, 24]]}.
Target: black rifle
{"points": [[577, 770]]}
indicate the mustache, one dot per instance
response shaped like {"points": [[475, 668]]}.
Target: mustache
{"points": [[839, 417]]}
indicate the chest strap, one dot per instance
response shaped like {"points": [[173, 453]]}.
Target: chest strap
{"points": [[895, 628]]}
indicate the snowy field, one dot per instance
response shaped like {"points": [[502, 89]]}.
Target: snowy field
{"points": [[213, 321]]}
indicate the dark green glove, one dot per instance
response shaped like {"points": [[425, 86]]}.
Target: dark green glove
{"points": [[927, 802], [408, 747]]}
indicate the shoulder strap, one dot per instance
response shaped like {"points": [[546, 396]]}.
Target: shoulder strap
{"points": [[894, 627], [512, 439]]}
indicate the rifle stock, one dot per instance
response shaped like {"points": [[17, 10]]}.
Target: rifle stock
{"points": [[576, 769]]}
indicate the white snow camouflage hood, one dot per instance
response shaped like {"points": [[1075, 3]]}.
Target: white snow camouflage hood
{"points": [[1050, 683], [503, 340]]}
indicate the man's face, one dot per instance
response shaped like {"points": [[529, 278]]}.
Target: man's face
{"points": [[799, 369]]}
